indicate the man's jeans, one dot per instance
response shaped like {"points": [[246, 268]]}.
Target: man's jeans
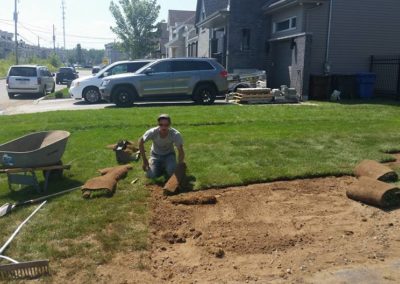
{"points": [[160, 164]]}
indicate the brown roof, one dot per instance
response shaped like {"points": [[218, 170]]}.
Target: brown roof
{"points": [[179, 16]]}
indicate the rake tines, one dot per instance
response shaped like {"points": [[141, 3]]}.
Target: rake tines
{"points": [[29, 269]]}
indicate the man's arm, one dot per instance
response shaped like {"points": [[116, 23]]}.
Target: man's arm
{"points": [[181, 154], [143, 154]]}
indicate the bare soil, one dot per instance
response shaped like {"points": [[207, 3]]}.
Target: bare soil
{"points": [[277, 232], [302, 231]]}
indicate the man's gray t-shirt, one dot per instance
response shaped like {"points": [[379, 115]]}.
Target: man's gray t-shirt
{"points": [[163, 146]]}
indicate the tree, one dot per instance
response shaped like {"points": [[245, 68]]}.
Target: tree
{"points": [[136, 26]]}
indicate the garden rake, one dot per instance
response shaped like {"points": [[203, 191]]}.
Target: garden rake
{"points": [[29, 269]]}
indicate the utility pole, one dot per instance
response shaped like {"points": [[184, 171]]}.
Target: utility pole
{"points": [[63, 18], [16, 31], [54, 39], [38, 42]]}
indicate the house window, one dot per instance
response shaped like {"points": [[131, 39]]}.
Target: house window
{"points": [[245, 45], [286, 25]]}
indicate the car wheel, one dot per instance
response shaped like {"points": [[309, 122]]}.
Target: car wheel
{"points": [[11, 96], [92, 95], [123, 97], [205, 94]]}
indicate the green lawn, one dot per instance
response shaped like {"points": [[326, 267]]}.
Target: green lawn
{"points": [[225, 145], [61, 94]]}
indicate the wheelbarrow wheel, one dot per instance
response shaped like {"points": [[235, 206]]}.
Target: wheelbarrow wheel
{"points": [[54, 174]]}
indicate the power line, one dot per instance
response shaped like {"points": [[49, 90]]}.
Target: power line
{"points": [[43, 31]]}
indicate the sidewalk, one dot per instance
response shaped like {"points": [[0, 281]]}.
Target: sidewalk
{"points": [[50, 105]]}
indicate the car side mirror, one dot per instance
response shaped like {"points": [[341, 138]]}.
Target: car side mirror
{"points": [[148, 71], [106, 74]]}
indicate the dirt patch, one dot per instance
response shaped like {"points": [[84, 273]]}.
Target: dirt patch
{"points": [[303, 231], [277, 232]]}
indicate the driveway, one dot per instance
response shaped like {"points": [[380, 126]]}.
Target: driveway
{"points": [[23, 101]]}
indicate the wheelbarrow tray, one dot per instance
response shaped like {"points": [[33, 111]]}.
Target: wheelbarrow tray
{"points": [[34, 150]]}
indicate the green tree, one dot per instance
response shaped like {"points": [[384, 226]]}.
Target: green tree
{"points": [[136, 26], [54, 60]]}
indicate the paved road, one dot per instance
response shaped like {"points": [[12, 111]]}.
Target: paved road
{"points": [[23, 100]]}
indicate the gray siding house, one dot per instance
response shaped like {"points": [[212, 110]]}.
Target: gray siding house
{"points": [[179, 22], [327, 37], [230, 31], [293, 39]]}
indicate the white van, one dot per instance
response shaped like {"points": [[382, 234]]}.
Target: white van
{"points": [[87, 88], [29, 79]]}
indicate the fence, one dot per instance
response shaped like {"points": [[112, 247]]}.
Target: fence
{"points": [[387, 69]]}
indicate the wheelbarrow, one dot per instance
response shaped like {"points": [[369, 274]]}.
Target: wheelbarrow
{"points": [[36, 151]]}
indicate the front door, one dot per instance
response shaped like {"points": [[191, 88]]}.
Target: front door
{"points": [[281, 60]]}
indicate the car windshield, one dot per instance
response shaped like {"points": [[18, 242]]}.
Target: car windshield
{"points": [[66, 70], [23, 71], [104, 69], [139, 71]]}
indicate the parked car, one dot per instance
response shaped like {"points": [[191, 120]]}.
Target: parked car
{"points": [[87, 88], [29, 79], [198, 79], [96, 69], [66, 75]]}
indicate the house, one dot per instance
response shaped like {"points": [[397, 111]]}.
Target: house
{"points": [[179, 23], [327, 37], [293, 39], [233, 32], [113, 54], [164, 38]]}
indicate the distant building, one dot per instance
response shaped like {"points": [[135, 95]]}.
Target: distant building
{"points": [[179, 25], [113, 54], [6, 36], [6, 43], [164, 38]]}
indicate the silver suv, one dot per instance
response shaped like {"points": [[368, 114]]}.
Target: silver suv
{"points": [[198, 79], [29, 79]]}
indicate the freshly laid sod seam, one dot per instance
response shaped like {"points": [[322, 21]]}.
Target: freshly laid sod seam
{"points": [[225, 145]]}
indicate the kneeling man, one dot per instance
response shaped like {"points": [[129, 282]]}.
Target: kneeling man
{"points": [[162, 156]]}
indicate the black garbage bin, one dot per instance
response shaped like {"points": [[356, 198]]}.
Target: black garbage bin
{"points": [[320, 87], [346, 85]]}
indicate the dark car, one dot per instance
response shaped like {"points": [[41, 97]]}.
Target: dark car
{"points": [[96, 69], [66, 75]]}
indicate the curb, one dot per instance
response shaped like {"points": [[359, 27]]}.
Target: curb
{"points": [[39, 100]]}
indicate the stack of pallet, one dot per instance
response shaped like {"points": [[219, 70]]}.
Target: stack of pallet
{"points": [[253, 96]]}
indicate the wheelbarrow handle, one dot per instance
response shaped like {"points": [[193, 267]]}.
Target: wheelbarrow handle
{"points": [[36, 200]]}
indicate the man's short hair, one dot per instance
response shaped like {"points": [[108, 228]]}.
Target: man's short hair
{"points": [[164, 116]]}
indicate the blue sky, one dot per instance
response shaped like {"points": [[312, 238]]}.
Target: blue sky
{"points": [[87, 21]]}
